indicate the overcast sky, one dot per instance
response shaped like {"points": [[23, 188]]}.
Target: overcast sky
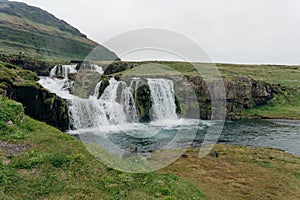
{"points": [[238, 31]]}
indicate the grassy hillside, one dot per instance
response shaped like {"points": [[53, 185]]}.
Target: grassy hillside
{"points": [[40, 162], [40, 35]]}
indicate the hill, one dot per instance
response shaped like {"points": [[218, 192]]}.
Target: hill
{"points": [[41, 35]]}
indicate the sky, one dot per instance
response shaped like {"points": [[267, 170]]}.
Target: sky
{"points": [[231, 31]]}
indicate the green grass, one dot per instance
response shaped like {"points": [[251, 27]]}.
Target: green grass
{"points": [[11, 74], [241, 173], [44, 41], [59, 167]]}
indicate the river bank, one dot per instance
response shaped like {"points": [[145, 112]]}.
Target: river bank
{"points": [[39, 161]]}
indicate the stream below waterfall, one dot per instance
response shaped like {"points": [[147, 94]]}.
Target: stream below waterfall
{"points": [[113, 117]]}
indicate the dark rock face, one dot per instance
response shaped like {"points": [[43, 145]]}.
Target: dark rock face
{"points": [[143, 103], [241, 93], [104, 85], [117, 67], [41, 105]]}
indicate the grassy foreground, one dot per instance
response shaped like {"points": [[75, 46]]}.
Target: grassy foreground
{"points": [[40, 162], [241, 173]]}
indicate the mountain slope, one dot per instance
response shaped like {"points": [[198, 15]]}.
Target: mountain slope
{"points": [[37, 33]]}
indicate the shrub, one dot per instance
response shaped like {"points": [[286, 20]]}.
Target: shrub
{"points": [[10, 110]]}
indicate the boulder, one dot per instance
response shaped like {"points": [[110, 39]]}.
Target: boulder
{"points": [[10, 123], [130, 152]]}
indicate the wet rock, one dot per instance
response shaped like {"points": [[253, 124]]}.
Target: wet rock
{"points": [[72, 76], [214, 154], [42, 105], [184, 156], [129, 152]]}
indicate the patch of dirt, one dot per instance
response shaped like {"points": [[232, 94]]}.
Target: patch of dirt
{"points": [[13, 149]]}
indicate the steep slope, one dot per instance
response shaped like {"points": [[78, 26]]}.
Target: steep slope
{"points": [[37, 33]]}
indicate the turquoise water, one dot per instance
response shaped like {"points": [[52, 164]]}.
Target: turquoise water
{"points": [[279, 134]]}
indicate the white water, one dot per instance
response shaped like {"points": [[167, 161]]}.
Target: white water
{"points": [[163, 99], [128, 101], [116, 107], [105, 112], [57, 86], [63, 70]]}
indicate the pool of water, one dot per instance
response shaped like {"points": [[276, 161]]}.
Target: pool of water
{"points": [[279, 134]]}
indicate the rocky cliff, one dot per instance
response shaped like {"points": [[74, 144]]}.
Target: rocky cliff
{"points": [[242, 92], [41, 105], [21, 85]]}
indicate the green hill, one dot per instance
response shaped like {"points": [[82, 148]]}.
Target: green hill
{"points": [[41, 35]]}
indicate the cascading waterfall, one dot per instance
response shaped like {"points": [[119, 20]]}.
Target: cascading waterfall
{"points": [[163, 99], [128, 101], [93, 112], [134, 84], [63, 70], [116, 105], [105, 111]]}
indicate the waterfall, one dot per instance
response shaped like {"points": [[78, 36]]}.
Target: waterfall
{"points": [[128, 101], [96, 93], [116, 105], [107, 110], [135, 85], [63, 70], [163, 99]]}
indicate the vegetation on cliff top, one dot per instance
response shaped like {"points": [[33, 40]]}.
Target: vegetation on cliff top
{"points": [[38, 34], [15, 75]]}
